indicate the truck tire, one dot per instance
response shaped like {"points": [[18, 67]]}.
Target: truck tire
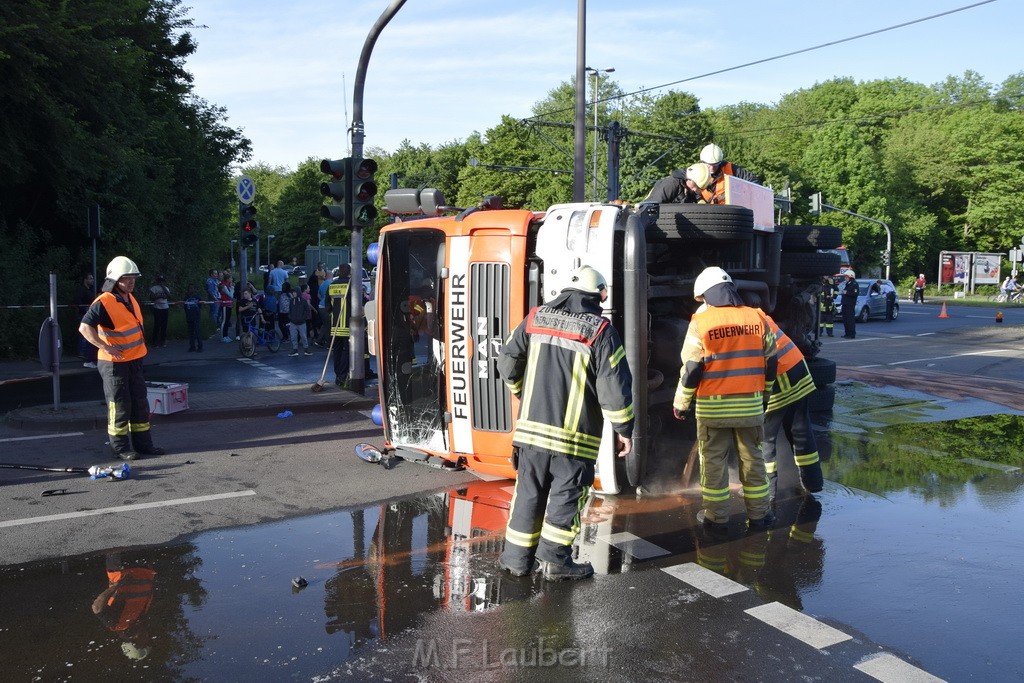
{"points": [[799, 264], [823, 371], [811, 237], [702, 222], [823, 400]]}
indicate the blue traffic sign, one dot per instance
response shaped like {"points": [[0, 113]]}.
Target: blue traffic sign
{"points": [[246, 189]]}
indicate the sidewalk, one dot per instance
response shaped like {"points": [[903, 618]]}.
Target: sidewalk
{"points": [[209, 405]]}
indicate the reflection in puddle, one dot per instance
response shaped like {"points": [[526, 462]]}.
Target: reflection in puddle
{"points": [[902, 500]]}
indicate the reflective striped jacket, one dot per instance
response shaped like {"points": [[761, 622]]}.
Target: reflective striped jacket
{"points": [[569, 370], [126, 334], [729, 363], [794, 380]]}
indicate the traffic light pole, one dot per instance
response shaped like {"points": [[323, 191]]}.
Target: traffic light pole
{"points": [[357, 326], [888, 233]]}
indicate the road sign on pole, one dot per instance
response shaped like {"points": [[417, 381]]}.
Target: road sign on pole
{"points": [[245, 188]]}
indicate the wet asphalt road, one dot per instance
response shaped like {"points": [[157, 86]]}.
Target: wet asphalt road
{"points": [[908, 558]]}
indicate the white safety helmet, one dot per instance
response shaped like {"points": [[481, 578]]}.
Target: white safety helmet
{"points": [[134, 652], [708, 278], [121, 266], [852, 274], [586, 279], [712, 154], [700, 174]]}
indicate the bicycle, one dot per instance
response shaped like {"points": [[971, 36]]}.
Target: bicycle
{"points": [[256, 335]]}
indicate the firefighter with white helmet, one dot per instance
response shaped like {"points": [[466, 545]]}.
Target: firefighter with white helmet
{"points": [[567, 366], [113, 324], [683, 186], [728, 372], [714, 157]]}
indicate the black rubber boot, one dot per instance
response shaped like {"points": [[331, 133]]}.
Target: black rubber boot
{"points": [[811, 477], [567, 572]]}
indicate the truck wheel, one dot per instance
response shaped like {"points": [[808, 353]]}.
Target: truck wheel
{"points": [[796, 237], [702, 222], [798, 264], [823, 371], [823, 400]]}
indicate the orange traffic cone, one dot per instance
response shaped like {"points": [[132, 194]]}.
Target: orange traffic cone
{"points": [[942, 313]]}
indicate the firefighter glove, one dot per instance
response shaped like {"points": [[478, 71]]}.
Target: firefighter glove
{"points": [[679, 414]]}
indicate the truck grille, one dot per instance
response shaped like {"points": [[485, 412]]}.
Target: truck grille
{"points": [[489, 302]]}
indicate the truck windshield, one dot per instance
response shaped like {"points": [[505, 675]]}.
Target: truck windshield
{"points": [[411, 329]]}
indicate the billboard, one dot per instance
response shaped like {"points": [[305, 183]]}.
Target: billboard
{"points": [[986, 268]]}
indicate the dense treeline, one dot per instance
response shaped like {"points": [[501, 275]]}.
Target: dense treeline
{"points": [[97, 107]]}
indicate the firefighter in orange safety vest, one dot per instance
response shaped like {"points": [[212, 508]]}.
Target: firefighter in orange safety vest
{"points": [[113, 324], [566, 364], [728, 371], [718, 167]]}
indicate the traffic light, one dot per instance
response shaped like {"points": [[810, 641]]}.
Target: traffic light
{"points": [[815, 204], [364, 190], [885, 257], [339, 189], [248, 226]]}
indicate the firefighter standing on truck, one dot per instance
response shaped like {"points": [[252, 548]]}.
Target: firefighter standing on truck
{"points": [[728, 371], [714, 157], [113, 324], [567, 366], [337, 293]]}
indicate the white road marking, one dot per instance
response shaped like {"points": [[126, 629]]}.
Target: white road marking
{"points": [[633, 545], [802, 627], [925, 334], [956, 355], [126, 508], [41, 436], [276, 372], [713, 584], [890, 669]]}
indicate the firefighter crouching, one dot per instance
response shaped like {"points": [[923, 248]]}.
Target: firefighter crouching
{"points": [[113, 324], [567, 366], [728, 371]]}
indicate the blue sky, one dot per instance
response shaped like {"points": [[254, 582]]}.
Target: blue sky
{"points": [[442, 69]]}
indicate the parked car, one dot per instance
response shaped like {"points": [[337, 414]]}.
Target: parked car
{"points": [[870, 302]]}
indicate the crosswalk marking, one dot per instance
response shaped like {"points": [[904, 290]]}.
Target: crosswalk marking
{"points": [[890, 669], [713, 584], [633, 545], [798, 625]]}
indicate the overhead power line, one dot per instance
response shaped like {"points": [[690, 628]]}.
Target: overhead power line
{"points": [[783, 56]]}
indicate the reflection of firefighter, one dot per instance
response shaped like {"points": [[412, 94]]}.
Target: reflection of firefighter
{"points": [[795, 556], [124, 603], [742, 560], [828, 306], [787, 410]]}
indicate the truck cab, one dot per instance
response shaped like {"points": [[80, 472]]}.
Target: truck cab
{"points": [[451, 288]]}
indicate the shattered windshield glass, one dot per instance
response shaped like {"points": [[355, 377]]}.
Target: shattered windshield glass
{"points": [[413, 359]]}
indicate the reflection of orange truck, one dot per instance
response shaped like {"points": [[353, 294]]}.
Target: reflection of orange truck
{"points": [[441, 395]]}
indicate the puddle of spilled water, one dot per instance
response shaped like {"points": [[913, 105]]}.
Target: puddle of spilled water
{"points": [[914, 542]]}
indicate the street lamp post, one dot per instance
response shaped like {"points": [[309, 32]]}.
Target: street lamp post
{"points": [[269, 262], [233, 243], [597, 80], [319, 235]]}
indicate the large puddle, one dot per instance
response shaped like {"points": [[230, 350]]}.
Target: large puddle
{"points": [[914, 543]]}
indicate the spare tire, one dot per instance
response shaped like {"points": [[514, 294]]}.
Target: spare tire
{"points": [[800, 264], [702, 222], [810, 237], [823, 371]]}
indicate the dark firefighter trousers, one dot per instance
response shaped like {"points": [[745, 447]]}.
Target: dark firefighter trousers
{"points": [[551, 490], [795, 420], [124, 389]]}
